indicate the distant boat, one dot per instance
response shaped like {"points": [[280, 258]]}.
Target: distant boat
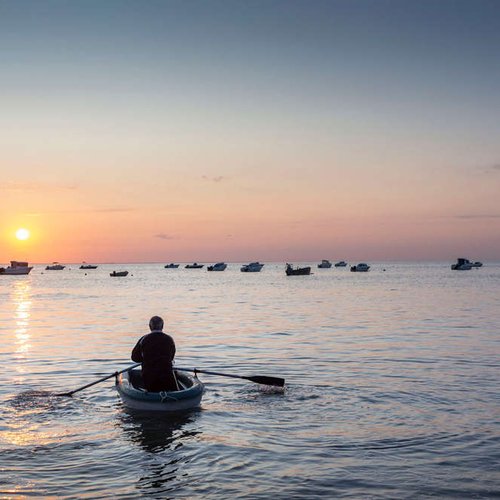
{"points": [[220, 266], [462, 265], [325, 264], [171, 266], [341, 264], [55, 266], [195, 265], [15, 268], [118, 273], [88, 266], [477, 264], [298, 271], [253, 267], [360, 268]]}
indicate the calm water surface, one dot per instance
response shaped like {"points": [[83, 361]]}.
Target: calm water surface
{"points": [[393, 383]]}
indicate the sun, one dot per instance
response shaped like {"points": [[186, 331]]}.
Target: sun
{"points": [[22, 234]]}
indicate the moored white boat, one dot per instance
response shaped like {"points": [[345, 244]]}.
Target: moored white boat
{"points": [[195, 265], [55, 266], [15, 268], [360, 268], [134, 396], [462, 265], [341, 263], [219, 266], [325, 264], [253, 267], [88, 266]]}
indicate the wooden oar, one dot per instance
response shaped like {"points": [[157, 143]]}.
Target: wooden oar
{"points": [[70, 393], [258, 379]]}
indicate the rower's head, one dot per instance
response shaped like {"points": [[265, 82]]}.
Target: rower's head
{"points": [[156, 324]]}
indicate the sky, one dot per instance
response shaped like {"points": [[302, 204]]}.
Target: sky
{"points": [[158, 131]]}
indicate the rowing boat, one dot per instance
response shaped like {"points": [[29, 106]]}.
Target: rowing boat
{"points": [[134, 396]]}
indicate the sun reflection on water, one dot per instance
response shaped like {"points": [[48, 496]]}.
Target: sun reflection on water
{"points": [[21, 298]]}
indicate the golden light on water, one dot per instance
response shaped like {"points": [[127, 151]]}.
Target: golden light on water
{"points": [[22, 234]]}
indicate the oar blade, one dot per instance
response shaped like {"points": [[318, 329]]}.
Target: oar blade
{"points": [[261, 379]]}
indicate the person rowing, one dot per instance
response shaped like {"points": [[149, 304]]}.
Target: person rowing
{"points": [[156, 351]]}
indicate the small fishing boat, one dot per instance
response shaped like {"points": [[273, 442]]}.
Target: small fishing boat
{"points": [[253, 267], [477, 264], [462, 265], [55, 266], [118, 273], [195, 265], [325, 264], [298, 271], [88, 266], [220, 266], [133, 395], [16, 268], [360, 268], [171, 266], [341, 263]]}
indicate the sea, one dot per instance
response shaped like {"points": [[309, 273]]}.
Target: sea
{"points": [[392, 383]]}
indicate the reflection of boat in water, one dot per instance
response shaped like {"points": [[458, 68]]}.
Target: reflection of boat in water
{"points": [[360, 268], [119, 273], [462, 265], [16, 267], [341, 263], [298, 271], [131, 390], [171, 266], [55, 266], [253, 267], [195, 265], [88, 266], [220, 266], [325, 264]]}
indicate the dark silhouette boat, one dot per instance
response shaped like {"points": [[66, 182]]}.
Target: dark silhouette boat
{"points": [[194, 266], [298, 271], [118, 273]]}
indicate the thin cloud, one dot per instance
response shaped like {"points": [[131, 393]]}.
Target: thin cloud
{"points": [[477, 216], [108, 210], [218, 178], [36, 186], [163, 236]]}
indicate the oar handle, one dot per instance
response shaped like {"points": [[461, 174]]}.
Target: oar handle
{"points": [[98, 381], [258, 379]]}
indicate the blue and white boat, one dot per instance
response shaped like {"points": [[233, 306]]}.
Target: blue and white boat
{"points": [[325, 264], [253, 267], [133, 395], [220, 266], [360, 268]]}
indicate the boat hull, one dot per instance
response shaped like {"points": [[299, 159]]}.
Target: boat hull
{"points": [[253, 267], [360, 268], [301, 271], [15, 272], [16, 268], [168, 401], [217, 267], [118, 274]]}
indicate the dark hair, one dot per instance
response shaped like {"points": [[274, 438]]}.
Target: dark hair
{"points": [[156, 323]]}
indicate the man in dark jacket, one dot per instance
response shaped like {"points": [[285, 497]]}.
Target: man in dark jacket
{"points": [[156, 352]]}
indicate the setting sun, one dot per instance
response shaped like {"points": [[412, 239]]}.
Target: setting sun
{"points": [[22, 234]]}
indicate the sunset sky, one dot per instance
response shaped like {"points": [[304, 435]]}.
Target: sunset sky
{"points": [[244, 130]]}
